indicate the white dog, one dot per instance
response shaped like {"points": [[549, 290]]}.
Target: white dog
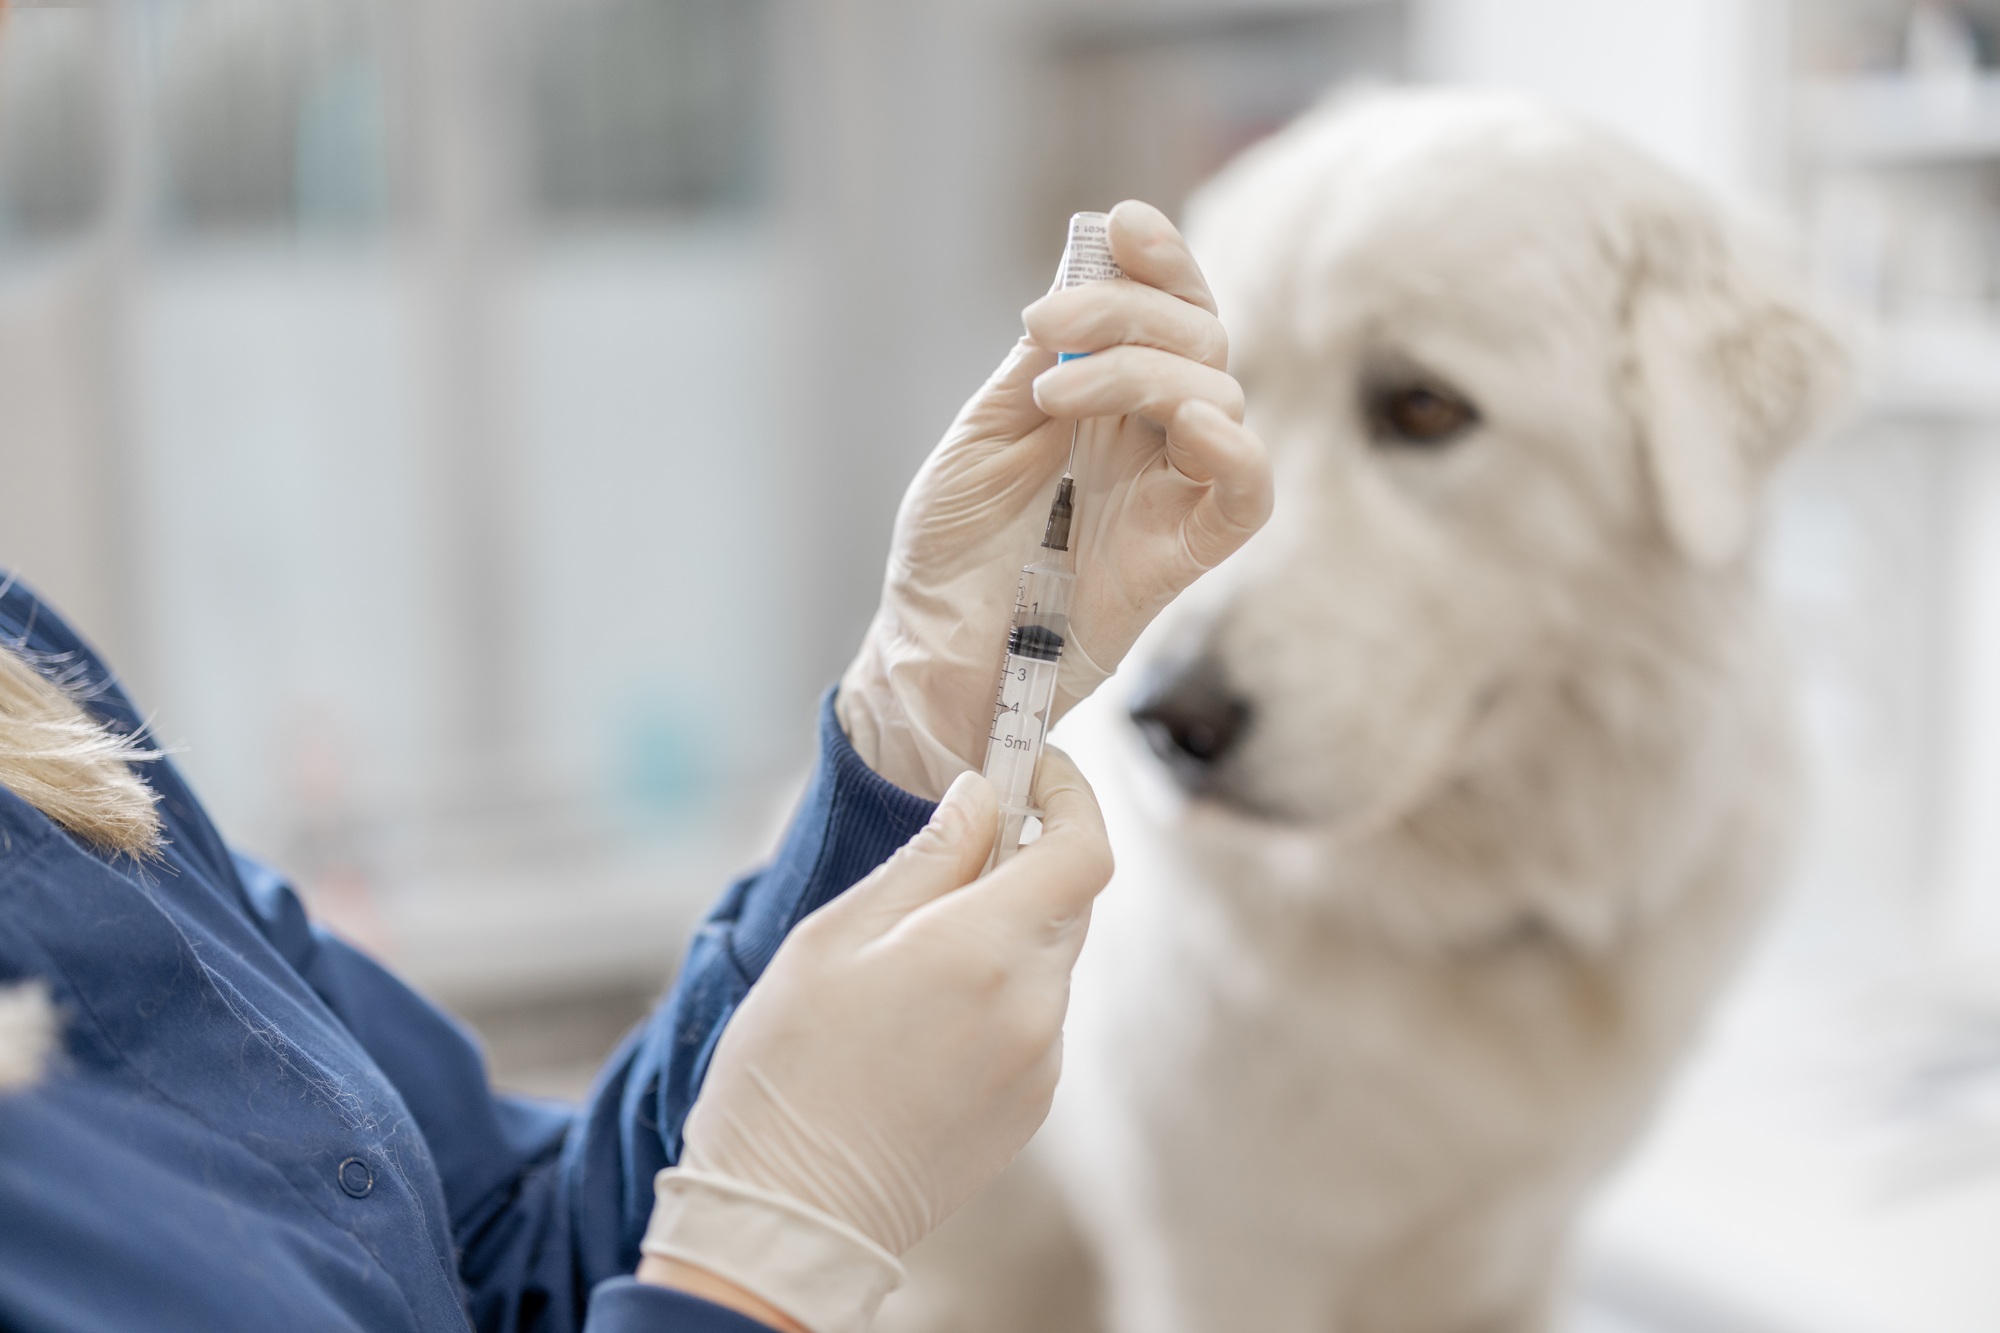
{"points": [[1468, 777]]}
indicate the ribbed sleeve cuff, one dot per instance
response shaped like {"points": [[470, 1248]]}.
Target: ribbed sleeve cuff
{"points": [[850, 820]]}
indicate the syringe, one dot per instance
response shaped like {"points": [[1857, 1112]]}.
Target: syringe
{"points": [[1041, 602]]}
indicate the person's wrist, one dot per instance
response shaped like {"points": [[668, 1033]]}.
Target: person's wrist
{"points": [[815, 1268], [716, 1290], [887, 729], [857, 721]]}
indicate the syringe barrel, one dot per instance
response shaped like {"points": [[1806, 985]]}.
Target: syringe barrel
{"points": [[1027, 694], [1015, 747], [1035, 642]]}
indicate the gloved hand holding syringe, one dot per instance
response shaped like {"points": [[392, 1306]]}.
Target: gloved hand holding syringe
{"points": [[877, 1075], [1027, 694], [1164, 482]]}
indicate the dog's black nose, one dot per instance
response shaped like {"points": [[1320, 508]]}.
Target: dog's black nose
{"points": [[1191, 718]]}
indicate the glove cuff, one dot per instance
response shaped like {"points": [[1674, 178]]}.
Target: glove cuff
{"points": [[882, 706], [814, 1267]]}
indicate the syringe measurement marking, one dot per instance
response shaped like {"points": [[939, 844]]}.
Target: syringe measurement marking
{"points": [[1014, 744]]}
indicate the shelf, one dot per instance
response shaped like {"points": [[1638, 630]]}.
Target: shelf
{"points": [[1892, 120]]}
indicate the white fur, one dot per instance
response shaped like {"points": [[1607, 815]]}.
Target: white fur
{"points": [[1349, 1048]]}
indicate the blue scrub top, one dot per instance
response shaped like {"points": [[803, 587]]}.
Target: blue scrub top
{"points": [[253, 1126]]}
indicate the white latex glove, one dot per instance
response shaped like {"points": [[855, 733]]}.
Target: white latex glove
{"points": [[1181, 485], [898, 1052]]}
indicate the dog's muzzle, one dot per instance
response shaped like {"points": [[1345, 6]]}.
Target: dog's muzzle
{"points": [[1191, 719]]}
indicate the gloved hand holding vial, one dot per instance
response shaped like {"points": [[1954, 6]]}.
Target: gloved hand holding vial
{"points": [[1128, 364]]}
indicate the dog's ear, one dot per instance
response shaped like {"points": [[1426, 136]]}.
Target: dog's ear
{"points": [[1732, 370]]}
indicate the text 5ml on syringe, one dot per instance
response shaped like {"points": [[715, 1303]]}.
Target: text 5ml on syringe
{"points": [[1040, 630]]}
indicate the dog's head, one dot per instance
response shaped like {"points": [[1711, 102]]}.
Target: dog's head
{"points": [[1523, 388]]}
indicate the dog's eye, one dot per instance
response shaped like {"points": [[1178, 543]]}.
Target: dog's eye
{"points": [[1419, 415]]}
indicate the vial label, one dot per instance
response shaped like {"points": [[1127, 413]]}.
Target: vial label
{"points": [[1087, 257]]}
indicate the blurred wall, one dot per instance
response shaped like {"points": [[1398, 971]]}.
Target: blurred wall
{"points": [[475, 429], [1692, 80], [395, 393], [466, 417]]}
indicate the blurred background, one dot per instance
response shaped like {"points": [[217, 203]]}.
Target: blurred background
{"points": [[475, 427]]}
